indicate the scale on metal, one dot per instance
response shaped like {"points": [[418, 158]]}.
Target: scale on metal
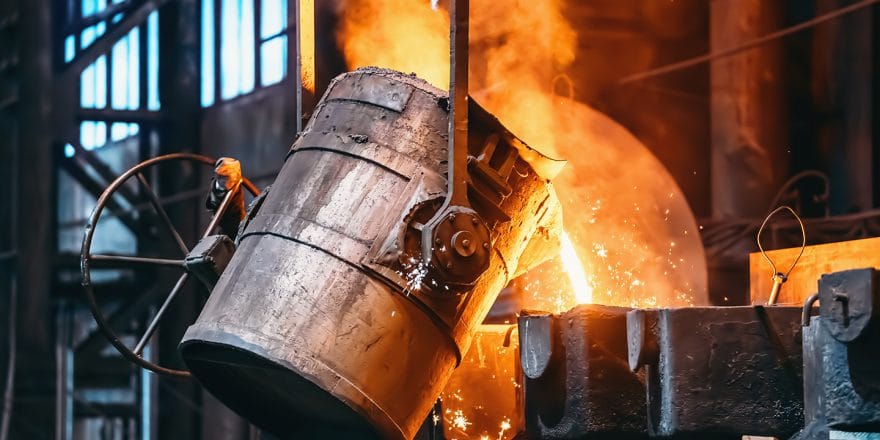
{"points": [[355, 283]]}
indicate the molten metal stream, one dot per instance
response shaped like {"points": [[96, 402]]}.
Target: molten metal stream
{"points": [[574, 268], [630, 238], [628, 224]]}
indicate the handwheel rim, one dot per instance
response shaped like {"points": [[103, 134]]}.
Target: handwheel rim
{"points": [[86, 257]]}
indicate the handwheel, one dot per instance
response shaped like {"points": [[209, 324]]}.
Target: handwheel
{"points": [[88, 259]]}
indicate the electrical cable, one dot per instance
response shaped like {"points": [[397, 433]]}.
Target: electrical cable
{"points": [[777, 199], [684, 64], [725, 235]]}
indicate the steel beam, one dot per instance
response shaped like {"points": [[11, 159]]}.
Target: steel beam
{"points": [[71, 72], [112, 9], [34, 187], [110, 115], [96, 188]]}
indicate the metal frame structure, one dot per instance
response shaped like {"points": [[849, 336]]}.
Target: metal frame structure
{"points": [[29, 250], [137, 355], [40, 112], [173, 127], [90, 385], [38, 118]]}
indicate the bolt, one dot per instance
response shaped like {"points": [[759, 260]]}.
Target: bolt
{"points": [[475, 220], [437, 240], [485, 245], [449, 265], [466, 242]]}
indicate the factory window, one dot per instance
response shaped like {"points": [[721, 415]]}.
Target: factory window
{"points": [[251, 43], [113, 81], [124, 77]]}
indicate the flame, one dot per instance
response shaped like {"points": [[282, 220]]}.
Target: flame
{"points": [[307, 44], [621, 207], [404, 35], [574, 268]]}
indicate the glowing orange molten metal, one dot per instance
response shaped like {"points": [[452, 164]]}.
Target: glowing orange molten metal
{"points": [[307, 44], [574, 268], [631, 238], [625, 216], [404, 35]]}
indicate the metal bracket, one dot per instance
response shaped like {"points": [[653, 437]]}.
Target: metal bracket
{"points": [[456, 250], [850, 302], [208, 259]]}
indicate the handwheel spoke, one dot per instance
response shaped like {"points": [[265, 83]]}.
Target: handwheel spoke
{"points": [[123, 260], [227, 199], [89, 262], [248, 185], [157, 205], [154, 323]]}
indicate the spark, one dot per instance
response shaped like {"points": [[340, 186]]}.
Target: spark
{"points": [[414, 273], [505, 425], [460, 421]]}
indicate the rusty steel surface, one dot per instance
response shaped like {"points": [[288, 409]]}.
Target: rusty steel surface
{"points": [[209, 257], [841, 365], [316, 328], [577, 383], [719, 372]]}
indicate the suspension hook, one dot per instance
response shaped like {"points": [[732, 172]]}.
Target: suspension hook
{"points": [[778, 277]]}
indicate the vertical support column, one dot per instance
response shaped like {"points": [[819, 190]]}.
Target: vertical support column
{"points": [[64, 371], [458, 96], [748, 131], [748, 127], [844, 82], [304, 72], [33, 415], [178, 403], [8, 168], [318, 59], [876, 115]]}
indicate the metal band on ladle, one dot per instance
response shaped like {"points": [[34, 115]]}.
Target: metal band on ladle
{"points": [[780, 278]]}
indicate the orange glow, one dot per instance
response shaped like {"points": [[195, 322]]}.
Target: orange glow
{"points": [[229, 170], [574, 268], [404, 35], [307, 43], [480, 400], [632, 239]]}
